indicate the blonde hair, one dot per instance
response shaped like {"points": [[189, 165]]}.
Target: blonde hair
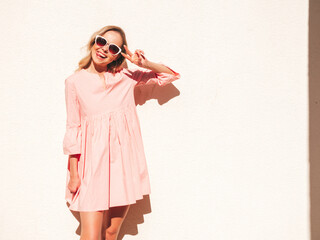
{"points": [[114, 66]]}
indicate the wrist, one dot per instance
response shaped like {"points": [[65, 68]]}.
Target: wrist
{"points": [[74, 175], [147, 64]]}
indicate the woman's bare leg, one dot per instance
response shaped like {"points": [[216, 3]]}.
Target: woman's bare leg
{"points": [[105, 223], [115, 216], [91, 223]]}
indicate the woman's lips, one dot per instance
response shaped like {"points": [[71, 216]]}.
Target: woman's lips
{"points": [[98, 55]]}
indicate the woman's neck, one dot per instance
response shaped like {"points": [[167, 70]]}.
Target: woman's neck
{"points": [[94, 68]]}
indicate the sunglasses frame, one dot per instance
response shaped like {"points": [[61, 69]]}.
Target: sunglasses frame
{"points": [[107, 43]]}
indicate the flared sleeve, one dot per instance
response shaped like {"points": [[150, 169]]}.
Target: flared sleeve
{"points": [[146, 76], [72, 137]]}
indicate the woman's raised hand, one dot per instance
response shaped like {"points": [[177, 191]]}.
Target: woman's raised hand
{"points": [[137, 58]]}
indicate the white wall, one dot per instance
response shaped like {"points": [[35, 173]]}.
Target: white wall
{"points": [[227, 157]]}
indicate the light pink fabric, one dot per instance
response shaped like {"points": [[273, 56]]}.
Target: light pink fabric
{"points": [[103, 126]]}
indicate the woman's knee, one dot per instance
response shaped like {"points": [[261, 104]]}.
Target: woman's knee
{"points": [[112, 231], [90, 235]]}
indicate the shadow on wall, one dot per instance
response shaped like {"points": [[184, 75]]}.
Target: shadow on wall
{"points": [[163, 94], [314, 117], [135, 217]]}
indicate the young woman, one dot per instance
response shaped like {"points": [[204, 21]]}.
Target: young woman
{"points": [[107, 169]]}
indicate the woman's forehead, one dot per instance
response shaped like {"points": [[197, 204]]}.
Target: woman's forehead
{"points": [[113, 37]]}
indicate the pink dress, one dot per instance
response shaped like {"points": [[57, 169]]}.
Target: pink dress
{"points": [[103, 126]]}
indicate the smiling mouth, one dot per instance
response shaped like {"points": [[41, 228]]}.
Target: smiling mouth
{"points": [[101, 56]]}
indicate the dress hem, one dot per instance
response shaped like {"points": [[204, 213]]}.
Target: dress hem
{"points": [[106, 208]]}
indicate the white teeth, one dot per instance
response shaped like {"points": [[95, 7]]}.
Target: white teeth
{"points": [[101, 55]]}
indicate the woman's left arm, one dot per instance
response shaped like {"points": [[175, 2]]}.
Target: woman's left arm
{"points": [[157, 73], [157, 67]]}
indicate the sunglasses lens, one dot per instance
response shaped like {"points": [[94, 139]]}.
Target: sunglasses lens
{"points": [[101, 41], [114, 49]]}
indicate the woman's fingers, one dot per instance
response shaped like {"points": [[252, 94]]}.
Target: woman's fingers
{"points": [[141, 52], [74, 184], [127, 50], [135, 58], [126, 56], [138, 53]]}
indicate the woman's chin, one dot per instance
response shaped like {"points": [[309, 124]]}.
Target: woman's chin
{"points": [[102, 62]]}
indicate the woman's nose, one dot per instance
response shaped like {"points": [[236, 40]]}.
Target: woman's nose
{"points": [[105, 47]]}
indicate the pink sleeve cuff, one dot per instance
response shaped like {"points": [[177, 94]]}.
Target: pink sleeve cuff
{"points": [[72, 141]]}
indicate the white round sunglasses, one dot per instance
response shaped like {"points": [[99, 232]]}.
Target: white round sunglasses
{"points": [[114, 49]]}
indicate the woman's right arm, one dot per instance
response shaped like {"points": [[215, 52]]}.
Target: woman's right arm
{"points": [[72, 138], [73, 165], [74, 181]]}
